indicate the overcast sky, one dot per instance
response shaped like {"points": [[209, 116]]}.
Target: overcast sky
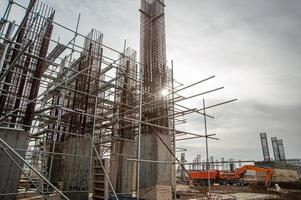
{"points": [[253, 48]]}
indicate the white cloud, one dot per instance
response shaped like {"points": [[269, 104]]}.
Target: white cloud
{"points": [[253, 48]]}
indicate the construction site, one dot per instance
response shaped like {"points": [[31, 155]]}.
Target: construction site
{"points": [[81, 120]]}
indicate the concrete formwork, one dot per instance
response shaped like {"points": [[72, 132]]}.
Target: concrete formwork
{"points": [[155, 178], [9, 173], [121, 170], [55, 170], [77, 169]]}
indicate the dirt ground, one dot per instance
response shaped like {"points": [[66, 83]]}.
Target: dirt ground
{"points": [[230, 192]]}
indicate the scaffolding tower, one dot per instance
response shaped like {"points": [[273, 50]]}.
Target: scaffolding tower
{"points": [[81, 120]]}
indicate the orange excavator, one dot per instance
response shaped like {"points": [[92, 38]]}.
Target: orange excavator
{"points": [[241, 172]]}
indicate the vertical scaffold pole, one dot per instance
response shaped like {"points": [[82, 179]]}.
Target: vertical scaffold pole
{"points": [[207, 153], [139, 131], [173, 128]]}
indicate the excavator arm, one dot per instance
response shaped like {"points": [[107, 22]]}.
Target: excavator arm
{"points": [[269, 172]]}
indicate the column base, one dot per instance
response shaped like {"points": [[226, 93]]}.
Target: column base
{"points": [[159, 192]]}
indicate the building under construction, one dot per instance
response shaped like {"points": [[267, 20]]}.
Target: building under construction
{"points": [[82, 121]]}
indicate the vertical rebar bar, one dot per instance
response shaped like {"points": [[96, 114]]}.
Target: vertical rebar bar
{"points": [[75, 35]]}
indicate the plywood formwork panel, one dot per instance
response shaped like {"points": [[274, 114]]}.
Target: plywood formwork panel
{"points": [[77, 169], [10, 174]]}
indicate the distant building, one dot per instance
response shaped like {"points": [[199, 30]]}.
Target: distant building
{"points": [[203, 164], [231, 165], [265, 147], [216, 164], [211, 162], [278, 149], [281, 149], [275, 149], [277, 146], [198, 160], [223, 163], [294, 161]]}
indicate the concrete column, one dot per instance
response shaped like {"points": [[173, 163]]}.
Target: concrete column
{"points": [[77, 169], [216, 164], [182, 171], [10, 174], [211, 162], [223, 164]]}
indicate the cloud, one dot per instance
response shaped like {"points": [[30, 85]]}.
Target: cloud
{"points": [[116, 19], [238, 127], [253, 48]]}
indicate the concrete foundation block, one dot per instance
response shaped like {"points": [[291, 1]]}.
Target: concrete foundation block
{"points": [[158, 192]]}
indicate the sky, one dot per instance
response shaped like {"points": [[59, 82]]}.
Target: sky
{"points": [[252, 47]]}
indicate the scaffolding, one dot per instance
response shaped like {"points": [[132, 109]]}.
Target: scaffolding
{"points": [[87, 110]]}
